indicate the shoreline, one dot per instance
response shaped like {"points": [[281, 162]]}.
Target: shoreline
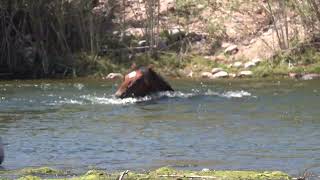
{"points": [[194, 67], [161, 173]]}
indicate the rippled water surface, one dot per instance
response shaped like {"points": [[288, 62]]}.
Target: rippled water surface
{"points": [[78, 125]]}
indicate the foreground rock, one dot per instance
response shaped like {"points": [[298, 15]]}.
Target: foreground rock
{"points": [[162, 173], [1, 151], [141, 82]]}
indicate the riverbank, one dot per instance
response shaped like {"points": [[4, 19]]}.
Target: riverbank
{"points": [[162, 173], [302, 65], [185, 38]]}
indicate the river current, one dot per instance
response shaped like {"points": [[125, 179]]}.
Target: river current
{"points": [[237, 125]]}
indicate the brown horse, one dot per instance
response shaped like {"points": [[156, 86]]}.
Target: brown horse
{"points": [[141, 82]]}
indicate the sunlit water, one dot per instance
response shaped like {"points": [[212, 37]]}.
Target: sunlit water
{"points": [[78, 125]]}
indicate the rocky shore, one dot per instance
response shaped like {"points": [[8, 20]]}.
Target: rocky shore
{"points": [[164, 173]]}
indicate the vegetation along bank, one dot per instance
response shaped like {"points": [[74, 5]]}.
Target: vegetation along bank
{"points": [[188, 38]]}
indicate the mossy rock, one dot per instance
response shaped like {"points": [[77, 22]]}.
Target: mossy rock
{"points": [[230, 175], [41, 171], [164, 173], [30, 178]]}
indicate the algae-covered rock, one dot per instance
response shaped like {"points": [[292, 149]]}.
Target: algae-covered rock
{"points": [[30, 178], [40, 171], [164, 173], [212, 174], [94, 174]]}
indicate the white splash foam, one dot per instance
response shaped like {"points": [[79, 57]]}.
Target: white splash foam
{"points": [[236, 94], [66, 101], [112, 100], [79, 86]]}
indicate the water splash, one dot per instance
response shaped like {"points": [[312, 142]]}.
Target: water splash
{"points": [[112, 100], [236, 94]]}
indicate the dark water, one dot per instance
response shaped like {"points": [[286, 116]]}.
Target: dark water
{"points": [[78, 125]]}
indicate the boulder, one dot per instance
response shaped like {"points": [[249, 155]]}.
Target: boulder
{"points": [[220, 74], [190, 74], [220, 58], [113, 76], [245, 74], [310, 76], [225, 45], [249, 64], [232, 49], [216, 70], [206, 75], [252, 63], [200, 6], [233, 75], [205, 170], [237, 64], [257, 61], [176, 31], [142, 43], [136, 32]]}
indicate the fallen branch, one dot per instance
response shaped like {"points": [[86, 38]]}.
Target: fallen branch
{"points": [[191, 177], [123, 174]]}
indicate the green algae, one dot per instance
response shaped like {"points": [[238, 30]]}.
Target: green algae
{"points": [[41, 171], [230, 175], [30, 178], [164, 173]]}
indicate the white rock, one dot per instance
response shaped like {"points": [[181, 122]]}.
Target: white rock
{"points": [[256, 61], [253, 41], [205, 170], [245, 74], [249, 64], [237, 64], [233, 75], [190, 74], [225, 45], [206, 75], [232, 49], [221, 74], [175, 31], [113, 76], [200, 6], [142, 43], [310, 76], [216, 70]]}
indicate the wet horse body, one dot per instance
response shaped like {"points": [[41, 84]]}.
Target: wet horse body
{"points": [[141, 82]]}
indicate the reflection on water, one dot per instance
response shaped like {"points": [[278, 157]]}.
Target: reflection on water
{"points": [[220, 125]]}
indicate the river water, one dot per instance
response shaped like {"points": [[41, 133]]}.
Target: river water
{"points": [[238, 125]]}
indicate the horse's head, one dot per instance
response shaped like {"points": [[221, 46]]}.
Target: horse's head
{"points": [[141, 82]]}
